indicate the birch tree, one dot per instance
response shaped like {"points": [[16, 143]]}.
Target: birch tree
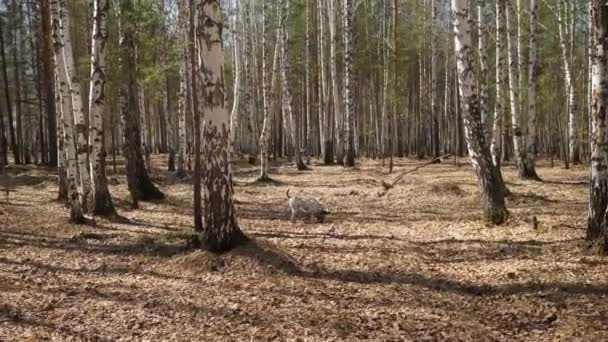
{"points": [[102, 201], [570, 93], [80, 127], [182, 22], [265, 136], [66, 117], [349, 160], [221, 231], [333, 74], [324, 122], [518, 142], [597, 229], [500, 82], [483, 61], [487, 175]]}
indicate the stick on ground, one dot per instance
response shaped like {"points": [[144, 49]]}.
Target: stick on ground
{"points": [[387, 186]]}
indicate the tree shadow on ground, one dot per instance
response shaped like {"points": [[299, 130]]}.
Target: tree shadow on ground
{"points": [[458, 287]]}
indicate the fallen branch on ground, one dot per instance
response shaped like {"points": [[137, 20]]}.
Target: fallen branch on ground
{"points": [[387, 186]]}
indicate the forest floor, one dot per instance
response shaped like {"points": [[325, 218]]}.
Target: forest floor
{"points": [[414, 264]]}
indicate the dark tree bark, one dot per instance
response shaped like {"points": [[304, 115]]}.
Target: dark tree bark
{"points": [[7, 94], [139, 182], [47, 80]]}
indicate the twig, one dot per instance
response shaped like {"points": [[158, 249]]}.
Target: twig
{"points": [[387, 186]]}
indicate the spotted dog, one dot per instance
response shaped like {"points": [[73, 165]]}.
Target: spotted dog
{"points": [[306, 207]]}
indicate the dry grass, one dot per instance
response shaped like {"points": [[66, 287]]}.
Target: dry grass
{"points": [[414, 264]]}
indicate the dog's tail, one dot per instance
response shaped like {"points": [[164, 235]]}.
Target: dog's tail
{"points": [[287, 193]]}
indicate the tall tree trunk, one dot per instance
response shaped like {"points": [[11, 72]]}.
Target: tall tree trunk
{"points": [[436, 4], [483, 61], [265, 136], [597, 229], [102, 200], [324, 117], [47, 79], [82, 147], [139, 183], [62, 193], [570, 93], [291, 124], [488, 176], [234, 115], [336, 103], [221, 231], [500, 82], [193, 13], [349, 160], [529, 166], [67, 118], [518, 143], [183, 86], [7, 94]]}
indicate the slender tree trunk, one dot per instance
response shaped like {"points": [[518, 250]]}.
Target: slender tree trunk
{"points": [[349, 160], [488, 176], [572, 130], [194, 13], [529, 166], [483, 61], [7, 94], [597, 229], [234, 115], [139, 183], [436, 4], [500, 82], [221, 231], [67, 118], [183, 86], [291, 123], [265, 136], [82, 147], [102, 200], [324, 120], [518, 142], [47, 80], [62, 193], [336, 103]]}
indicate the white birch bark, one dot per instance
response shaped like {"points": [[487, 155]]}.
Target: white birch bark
{"points": [[482, 14], [82, 148], [182, 29], [67, 118], [234, 115], [572, 138], [500, 82], [221, 231], [336, 99], [597, 230], [102, 201], [518, 146], [348, 91], [479, 153], [265, 135], [324, 124]]}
